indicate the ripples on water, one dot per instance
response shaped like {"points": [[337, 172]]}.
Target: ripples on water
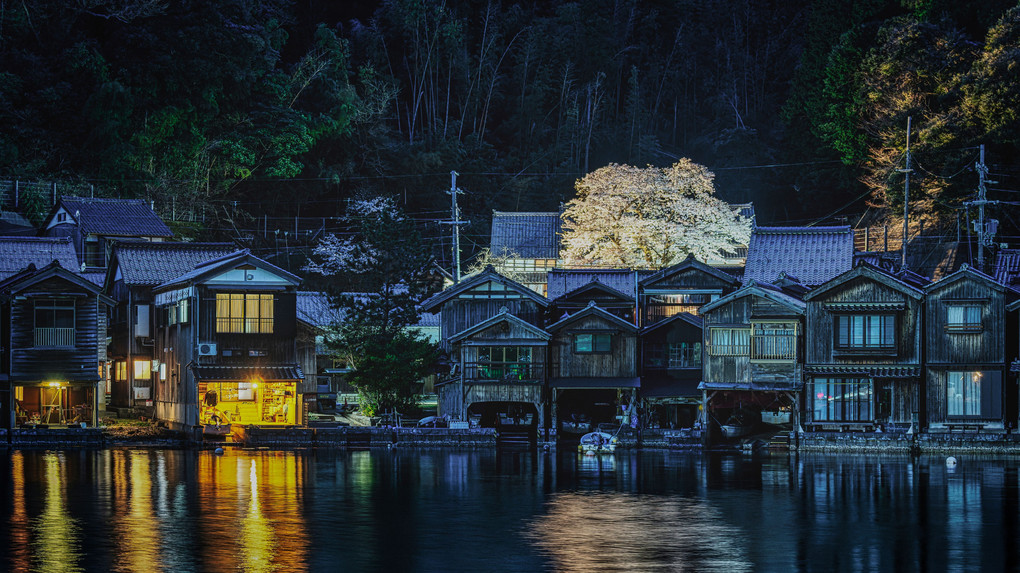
{"points": [[148, 510]]}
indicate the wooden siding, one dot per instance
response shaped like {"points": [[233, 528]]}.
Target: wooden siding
{"points": [[986, 346], [460, 314], [619, 362], [742, 370], [176, 398], [80, 363], [691, 278], [820, 339]]}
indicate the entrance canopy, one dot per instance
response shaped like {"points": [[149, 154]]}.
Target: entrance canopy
{"points": [[247, 373]]}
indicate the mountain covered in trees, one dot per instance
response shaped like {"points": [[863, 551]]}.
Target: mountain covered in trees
{"points": [[245, 110]]}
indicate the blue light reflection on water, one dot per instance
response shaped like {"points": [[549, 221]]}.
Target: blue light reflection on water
{"points": [[439, 510]]}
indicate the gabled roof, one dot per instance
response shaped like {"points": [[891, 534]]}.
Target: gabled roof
{"points": [[765, 291], [112, 217], [153, 263], [16, 253], [593, 286], [868, 271], [562, 281], [527, 235], [592, 310], [812, 254], [687, 317], [967, 271], [503, 315], [31, 276], [689, 263], [1007, 267], [488, 274], [222, 264]]}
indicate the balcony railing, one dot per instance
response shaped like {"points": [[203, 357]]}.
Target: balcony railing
{"points": [[504, 371], [53, 337]]}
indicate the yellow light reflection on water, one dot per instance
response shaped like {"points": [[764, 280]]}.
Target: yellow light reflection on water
{"points": [[137, 535], [251, 511], [56, 536], [20, 556]]}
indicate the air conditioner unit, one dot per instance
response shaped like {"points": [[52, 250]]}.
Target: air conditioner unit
{"points": [[207, 349]]}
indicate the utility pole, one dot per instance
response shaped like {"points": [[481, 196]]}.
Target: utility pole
{"points": [[984, 235], [906, 199], [456, 222]]}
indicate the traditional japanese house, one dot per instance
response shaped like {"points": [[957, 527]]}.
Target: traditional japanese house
{"points": [[136, 268], [95, 224], [684, 287], [593, 370], [490, 328], [527, 245], [225, 345], [970, 341], [863, 352], [671, 370], [53, 326], [753, 367]]}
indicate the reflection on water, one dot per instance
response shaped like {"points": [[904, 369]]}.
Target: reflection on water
{"points": [[608, 531], [55, 540], [433, 510]]}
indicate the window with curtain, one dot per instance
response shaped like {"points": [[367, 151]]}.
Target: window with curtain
{"points": [[866, 331], [244, 313], [974, 394], [729, 341], [963, 318]]}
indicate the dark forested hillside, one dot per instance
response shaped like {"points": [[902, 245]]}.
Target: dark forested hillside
{"points": [[240, 114]]}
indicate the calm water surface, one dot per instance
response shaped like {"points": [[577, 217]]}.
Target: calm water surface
{"points": [[438, 510]]}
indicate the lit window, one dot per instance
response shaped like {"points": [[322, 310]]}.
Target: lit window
{"points": [[685, 355], [729, 341], [964, 394], [245, 313], [592, 343], [866, 331], [963, 318], [143, 369]]}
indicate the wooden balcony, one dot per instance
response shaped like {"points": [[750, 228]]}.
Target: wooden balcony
{"points": [[59, 337]]}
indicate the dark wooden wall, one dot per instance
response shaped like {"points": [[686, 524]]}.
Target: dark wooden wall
{"points": [[621, 361], [80, 363]]}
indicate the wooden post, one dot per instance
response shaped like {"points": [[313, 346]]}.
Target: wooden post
{"points": [[867, 238], [886, 229]]}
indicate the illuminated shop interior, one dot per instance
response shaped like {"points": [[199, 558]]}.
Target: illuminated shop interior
{"points": [[54, 404], [252, 402]]}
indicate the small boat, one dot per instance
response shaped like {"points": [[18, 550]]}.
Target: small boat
{"points": [[740, 423], [522, 421], [597, 443]]}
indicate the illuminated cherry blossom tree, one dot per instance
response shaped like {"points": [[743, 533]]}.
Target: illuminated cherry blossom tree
{"points": [[650, 217]]}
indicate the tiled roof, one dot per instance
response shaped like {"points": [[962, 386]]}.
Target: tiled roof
{"points": [[116, 217], [148, 263], [562, 281], [874, 370], [812, 254], [528, 235], [1007, 267], [16, 253]]}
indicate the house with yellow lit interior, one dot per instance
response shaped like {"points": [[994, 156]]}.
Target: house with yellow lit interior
{"points": [[225, 346]]}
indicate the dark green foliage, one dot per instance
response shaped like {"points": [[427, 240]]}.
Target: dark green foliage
{"points": [[292, 108]]}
